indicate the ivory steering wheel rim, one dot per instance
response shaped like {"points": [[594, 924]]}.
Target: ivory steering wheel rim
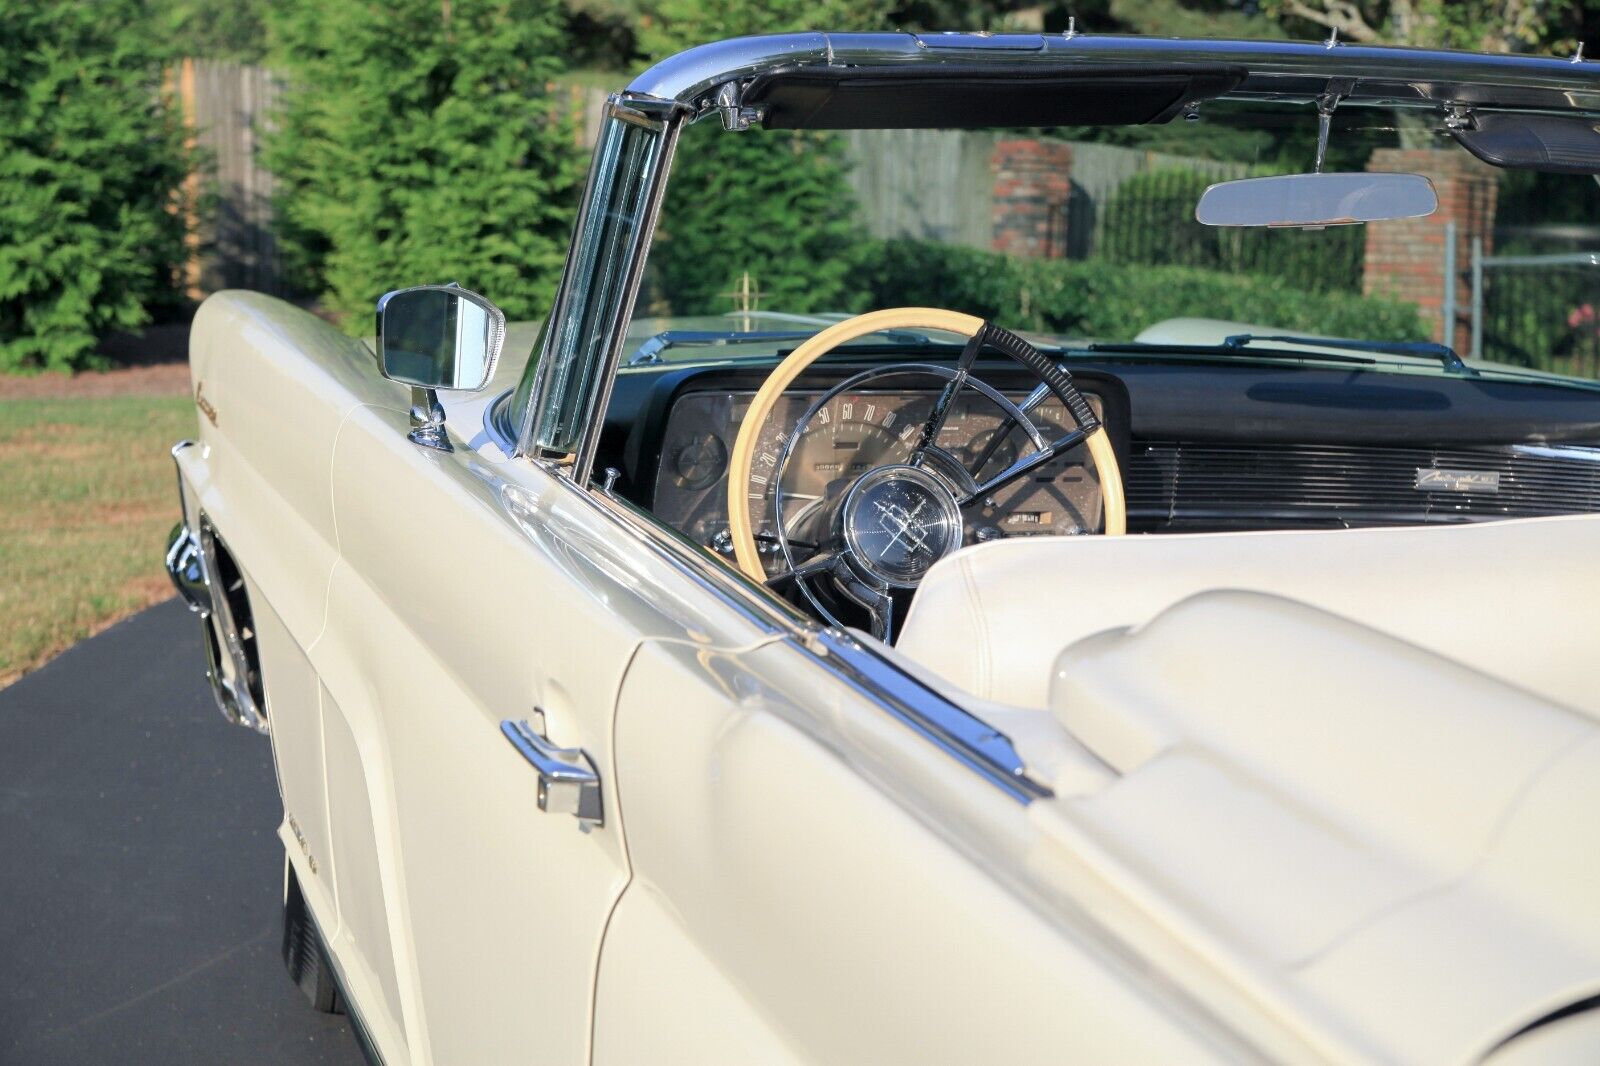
{"points": [[740, 529]]}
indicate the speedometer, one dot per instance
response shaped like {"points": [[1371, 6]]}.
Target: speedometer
{"points": [[839, 443]]}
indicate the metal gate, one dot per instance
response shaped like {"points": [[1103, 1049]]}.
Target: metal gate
{"points": [[1537, 311]]}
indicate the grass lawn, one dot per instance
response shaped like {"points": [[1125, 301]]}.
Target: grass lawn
{"points": [[87, 496]]}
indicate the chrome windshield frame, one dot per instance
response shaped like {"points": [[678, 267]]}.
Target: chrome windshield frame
{"points": [[559, 406], [1276, 70]]}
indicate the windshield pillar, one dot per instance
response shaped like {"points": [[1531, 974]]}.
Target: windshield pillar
{"points": [[558, 405]]}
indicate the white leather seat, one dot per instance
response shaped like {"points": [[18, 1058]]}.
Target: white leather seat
{"points": [[1517, 599], [1395, 848]]}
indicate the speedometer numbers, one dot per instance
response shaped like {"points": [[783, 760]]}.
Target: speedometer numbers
{"points": [[841, 441]]}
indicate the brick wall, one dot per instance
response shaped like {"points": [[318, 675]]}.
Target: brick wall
{"points": [[1406, 259], [1032, 183]]}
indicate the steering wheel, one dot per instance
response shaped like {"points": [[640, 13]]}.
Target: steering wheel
{"points": [[893, 522]]}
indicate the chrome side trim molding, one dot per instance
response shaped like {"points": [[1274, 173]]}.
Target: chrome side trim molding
{"points": [[949, 726], [967, 738]]}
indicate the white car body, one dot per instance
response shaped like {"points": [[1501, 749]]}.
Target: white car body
{"points": [[1296, 797]]}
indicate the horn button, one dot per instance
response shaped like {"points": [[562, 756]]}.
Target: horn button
{"points": [[897, 521]]}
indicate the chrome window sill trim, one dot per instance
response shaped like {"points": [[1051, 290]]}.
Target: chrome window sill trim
{"points": [[950, 727], [970, 740]]}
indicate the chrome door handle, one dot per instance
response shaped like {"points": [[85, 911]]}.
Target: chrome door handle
{"points": [[568, 783]]}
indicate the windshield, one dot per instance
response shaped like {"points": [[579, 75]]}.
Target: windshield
{"points": [[1087, 236]]}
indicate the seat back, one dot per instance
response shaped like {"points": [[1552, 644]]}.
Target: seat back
{"points": [[1516, 599]]}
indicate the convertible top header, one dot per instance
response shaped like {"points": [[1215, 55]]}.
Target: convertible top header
{"points": [[976, 96], [903, 80]]}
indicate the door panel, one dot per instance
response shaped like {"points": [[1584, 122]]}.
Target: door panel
{"points": [[854, 930], [469, 593]]}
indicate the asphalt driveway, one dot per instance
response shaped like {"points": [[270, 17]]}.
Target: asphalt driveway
{"points": [[140, 879]]}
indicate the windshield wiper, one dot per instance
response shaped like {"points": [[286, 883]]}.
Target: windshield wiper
{"points": [[1192, 349], [649, 353], [1423, 349]]}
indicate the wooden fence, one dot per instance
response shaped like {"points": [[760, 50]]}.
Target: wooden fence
{"points": [[228, 105]]}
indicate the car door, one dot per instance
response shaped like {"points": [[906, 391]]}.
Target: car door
{"points": [[818, 880], [468, 593]]}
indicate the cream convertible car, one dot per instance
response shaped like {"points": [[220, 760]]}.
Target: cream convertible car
{"points": [[699, 698]]}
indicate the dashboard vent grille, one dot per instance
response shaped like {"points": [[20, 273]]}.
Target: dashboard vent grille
{"points": [[1229, 486]]}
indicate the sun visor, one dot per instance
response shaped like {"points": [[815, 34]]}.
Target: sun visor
{"points": [[1534, 142], [974, 96]]}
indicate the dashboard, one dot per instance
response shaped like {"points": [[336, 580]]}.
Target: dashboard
{"points": [[853, 433], [1204, 446]]}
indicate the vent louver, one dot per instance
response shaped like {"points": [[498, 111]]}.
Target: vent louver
{"points": [[1192, 485]]}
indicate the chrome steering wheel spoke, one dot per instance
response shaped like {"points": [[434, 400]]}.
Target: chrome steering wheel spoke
{"points": [[818, 565], [1023, 467]]}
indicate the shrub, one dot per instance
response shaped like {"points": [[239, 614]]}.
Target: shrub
{"points": [[776, 205], [422, 142], [1150, 219], [1096, 299], [92, 160]]}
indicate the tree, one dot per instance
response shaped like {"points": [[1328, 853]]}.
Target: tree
{"points": [[1480, 25], [774, 205], [92, 162], [207, 29], [420, 141]]}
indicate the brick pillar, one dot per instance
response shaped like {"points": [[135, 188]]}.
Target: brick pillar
{"points": [[1406, 259], [1032, 182]]}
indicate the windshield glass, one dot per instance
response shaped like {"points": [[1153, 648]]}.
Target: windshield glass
{"points": [[1080, 236]]}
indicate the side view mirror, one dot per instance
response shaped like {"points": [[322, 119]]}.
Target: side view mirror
{"points": [[1316, 200], [437, 337]]}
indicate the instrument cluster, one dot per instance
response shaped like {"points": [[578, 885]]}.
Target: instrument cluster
{"points": [[852, 434]]}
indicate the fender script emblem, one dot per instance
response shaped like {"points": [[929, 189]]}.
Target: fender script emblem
{"points": [[204, 404], [1430, 479]]}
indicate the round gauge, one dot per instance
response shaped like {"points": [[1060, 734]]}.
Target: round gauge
{"points": [[701, 462], [842, 441], [899, 521], [996, 455]]}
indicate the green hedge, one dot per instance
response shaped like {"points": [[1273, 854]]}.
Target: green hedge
{"points": [[420, 141], [92, 163], [1089, 298]]}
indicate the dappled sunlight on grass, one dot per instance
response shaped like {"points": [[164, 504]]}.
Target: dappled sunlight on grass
{"points": [[87, 497]]}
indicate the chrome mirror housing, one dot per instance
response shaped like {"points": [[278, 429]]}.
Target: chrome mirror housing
{"points": [[437, 337], [1316, 200]]}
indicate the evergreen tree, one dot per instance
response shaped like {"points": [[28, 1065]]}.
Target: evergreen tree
{"points": [[775, 205], [92, 160], [420, 141]]}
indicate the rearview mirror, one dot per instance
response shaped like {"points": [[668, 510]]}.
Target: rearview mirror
{"points": [[439, 337], [1315, 200]]}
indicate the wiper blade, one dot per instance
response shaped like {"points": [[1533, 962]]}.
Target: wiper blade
{"points": [[1220, 349], [649, 353], [1423, 349]]}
